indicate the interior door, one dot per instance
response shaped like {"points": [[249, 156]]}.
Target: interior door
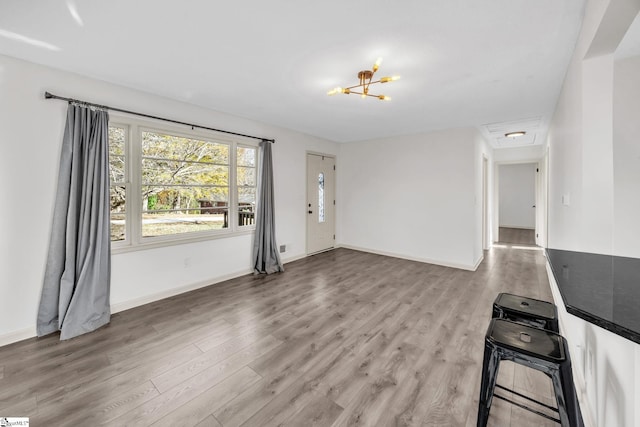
{"points": [[320, 203]]}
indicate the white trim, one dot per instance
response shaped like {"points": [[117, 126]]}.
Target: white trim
{"points": [[15, 336], [468, 267], [294, 258], [477, 264], [163, 243], [516, 226]]}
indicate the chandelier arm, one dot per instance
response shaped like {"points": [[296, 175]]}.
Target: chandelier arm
{"points": [[373, 71], [360, 85], [351, 87], [367, 94]]}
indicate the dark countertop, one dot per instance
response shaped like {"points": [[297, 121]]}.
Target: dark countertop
{"points": [[601, 289]]}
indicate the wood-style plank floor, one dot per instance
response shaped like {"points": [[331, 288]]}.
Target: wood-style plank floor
{"points": [[343, 338], [518, 236]]}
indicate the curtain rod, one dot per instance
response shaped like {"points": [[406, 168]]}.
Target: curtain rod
{"points": [[48, 95]]}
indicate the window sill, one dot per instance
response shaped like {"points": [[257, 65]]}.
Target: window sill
{"points": [[164, 241]]}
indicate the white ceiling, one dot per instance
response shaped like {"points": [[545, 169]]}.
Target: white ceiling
{"points": [[630, 44], [463, 62]]}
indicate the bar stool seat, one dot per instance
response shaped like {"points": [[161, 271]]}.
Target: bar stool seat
{"points": [[532, 312], [534, 348]]}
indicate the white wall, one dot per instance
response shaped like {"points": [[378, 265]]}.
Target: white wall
{"points": [[626, 158], [517, 195], [581, 137], [413, 196], [587, 143], [31, 131], [565, 147], [518, 154]]}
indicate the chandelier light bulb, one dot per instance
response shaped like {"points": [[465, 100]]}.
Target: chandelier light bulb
{"points": [[389, 79], [377, 64]]}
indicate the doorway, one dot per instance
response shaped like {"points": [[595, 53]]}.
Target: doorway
{"points": [[321, 171], [517, 196]]}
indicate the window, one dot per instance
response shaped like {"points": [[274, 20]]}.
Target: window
{"points": [[182, 186]]}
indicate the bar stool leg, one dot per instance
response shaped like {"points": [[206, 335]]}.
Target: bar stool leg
{"points": [[571, 409], [490, 366]]}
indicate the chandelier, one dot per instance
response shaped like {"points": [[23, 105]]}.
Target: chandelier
{"points": [[366, 77]]}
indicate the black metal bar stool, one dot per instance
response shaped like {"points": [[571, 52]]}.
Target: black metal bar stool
{"points": [[535, 348], [533, 312]]}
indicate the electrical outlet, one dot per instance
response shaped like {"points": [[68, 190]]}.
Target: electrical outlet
{"points": [[283, 248]]}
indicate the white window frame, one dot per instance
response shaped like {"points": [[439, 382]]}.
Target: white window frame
{"points": [[134, 240]]}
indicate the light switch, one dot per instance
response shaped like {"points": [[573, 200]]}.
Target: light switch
{"points": [[566, 199]]}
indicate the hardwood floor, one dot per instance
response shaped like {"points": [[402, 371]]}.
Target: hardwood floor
{"points": [[342, 338], [518, 236]]}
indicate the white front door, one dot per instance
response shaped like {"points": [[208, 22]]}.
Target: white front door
{"points": [[320, 202]]}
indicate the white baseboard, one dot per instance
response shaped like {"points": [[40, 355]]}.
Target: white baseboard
{"points": [[477, 264], [468, 267], [126, 305], [23, 334], [30, 332], [518, 227], [293, 258]]}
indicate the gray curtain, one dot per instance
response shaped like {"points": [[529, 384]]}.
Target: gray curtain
{"points": [[75, 292], [266, 258]]}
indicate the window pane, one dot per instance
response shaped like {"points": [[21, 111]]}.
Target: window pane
{"points": [[116, 169], [321, 197], [175, 210], [179, 148], [246, 197], [161, 224], [116, 141], [246, 156], [185, 185], [117, 226], [118, 214], [246, 176], [246, 206], [181, 198], [156, 171], [246, 181], [117, 178]]}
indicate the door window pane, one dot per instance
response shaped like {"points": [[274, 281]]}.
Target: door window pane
{"points": [[321, 197]]}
